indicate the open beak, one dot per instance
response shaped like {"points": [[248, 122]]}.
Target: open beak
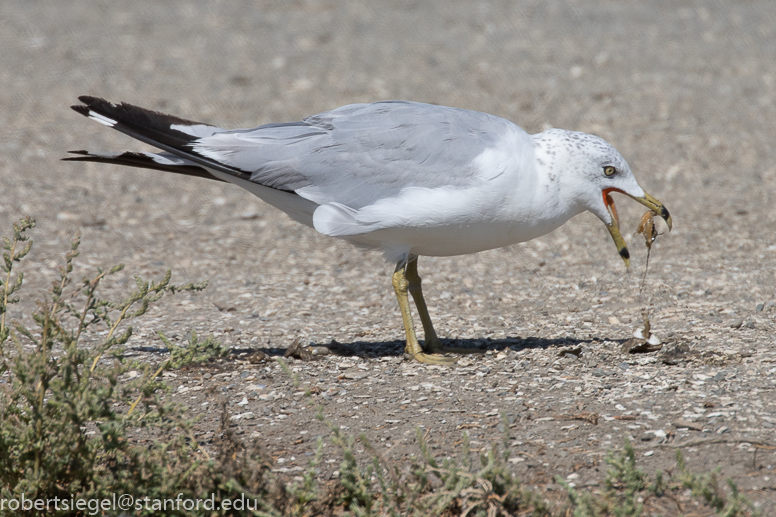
{"points": [[614, 228]]}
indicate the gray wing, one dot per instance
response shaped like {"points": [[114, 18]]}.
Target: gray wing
{"points": [[359, 153]]}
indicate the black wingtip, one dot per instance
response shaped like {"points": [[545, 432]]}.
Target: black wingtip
{"points": [[88, 99], [90, 102], [95, 104], [83, 110], [80, 151], [142, 160], [154, 128], [73, 158]]}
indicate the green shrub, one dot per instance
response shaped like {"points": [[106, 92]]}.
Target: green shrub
{"points": [[64, 424]]}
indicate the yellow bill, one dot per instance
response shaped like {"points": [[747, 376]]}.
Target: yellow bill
{"points": [[614, 228]]}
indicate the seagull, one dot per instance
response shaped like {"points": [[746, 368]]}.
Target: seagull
{"points": [[405, 178]]}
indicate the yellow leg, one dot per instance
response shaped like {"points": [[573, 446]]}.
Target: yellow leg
{"points": [[432, 343], [415, 289], [400, 286]]}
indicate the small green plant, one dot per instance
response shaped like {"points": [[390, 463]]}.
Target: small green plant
{"points": [[628, 489], [624, 478], [706, 487], [301, 495], [624, 485], [432, 487], [197, 351], [15, 251]]}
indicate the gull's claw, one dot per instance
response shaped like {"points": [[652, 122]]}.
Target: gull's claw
{"points": [[432, 358]]}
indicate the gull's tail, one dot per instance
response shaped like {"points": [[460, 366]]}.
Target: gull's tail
{"points": [[181, 140], [174, 135]]}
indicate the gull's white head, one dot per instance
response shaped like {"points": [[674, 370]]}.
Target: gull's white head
{"points": [[588, 169]]}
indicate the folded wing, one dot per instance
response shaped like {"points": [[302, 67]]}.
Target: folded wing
{"points": [[340, 161]]}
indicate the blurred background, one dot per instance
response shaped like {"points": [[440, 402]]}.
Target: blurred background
{"points": [[685, 90]]}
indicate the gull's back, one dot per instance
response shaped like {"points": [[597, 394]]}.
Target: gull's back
{"points": [[357, 154]]}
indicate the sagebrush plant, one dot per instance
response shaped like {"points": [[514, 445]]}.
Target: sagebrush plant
{"points": [[64, 423], [624, 487], [429, 486], [628, 489], [706, 487], [196, 351]]}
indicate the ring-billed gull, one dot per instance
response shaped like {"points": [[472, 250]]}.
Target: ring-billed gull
{"points": [[406, 178]]}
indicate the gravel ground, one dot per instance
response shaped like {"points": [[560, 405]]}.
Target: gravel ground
{"points": [[685, 90]]}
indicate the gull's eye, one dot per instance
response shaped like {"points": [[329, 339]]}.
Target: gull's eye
{"points": [[609, 170]]}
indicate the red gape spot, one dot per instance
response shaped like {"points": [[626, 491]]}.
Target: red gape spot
{"points": [[609, 203]]}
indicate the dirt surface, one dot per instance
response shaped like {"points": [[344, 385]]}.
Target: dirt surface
{"points": [[686, 91]]}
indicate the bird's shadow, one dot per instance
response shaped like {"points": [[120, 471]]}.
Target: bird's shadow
{"points": [[379, 349]]}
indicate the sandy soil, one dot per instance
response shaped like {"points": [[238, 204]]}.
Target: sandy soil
{"points": [[685, 90]]}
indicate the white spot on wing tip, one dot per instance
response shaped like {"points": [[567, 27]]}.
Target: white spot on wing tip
{"points": [[102, 119]]}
